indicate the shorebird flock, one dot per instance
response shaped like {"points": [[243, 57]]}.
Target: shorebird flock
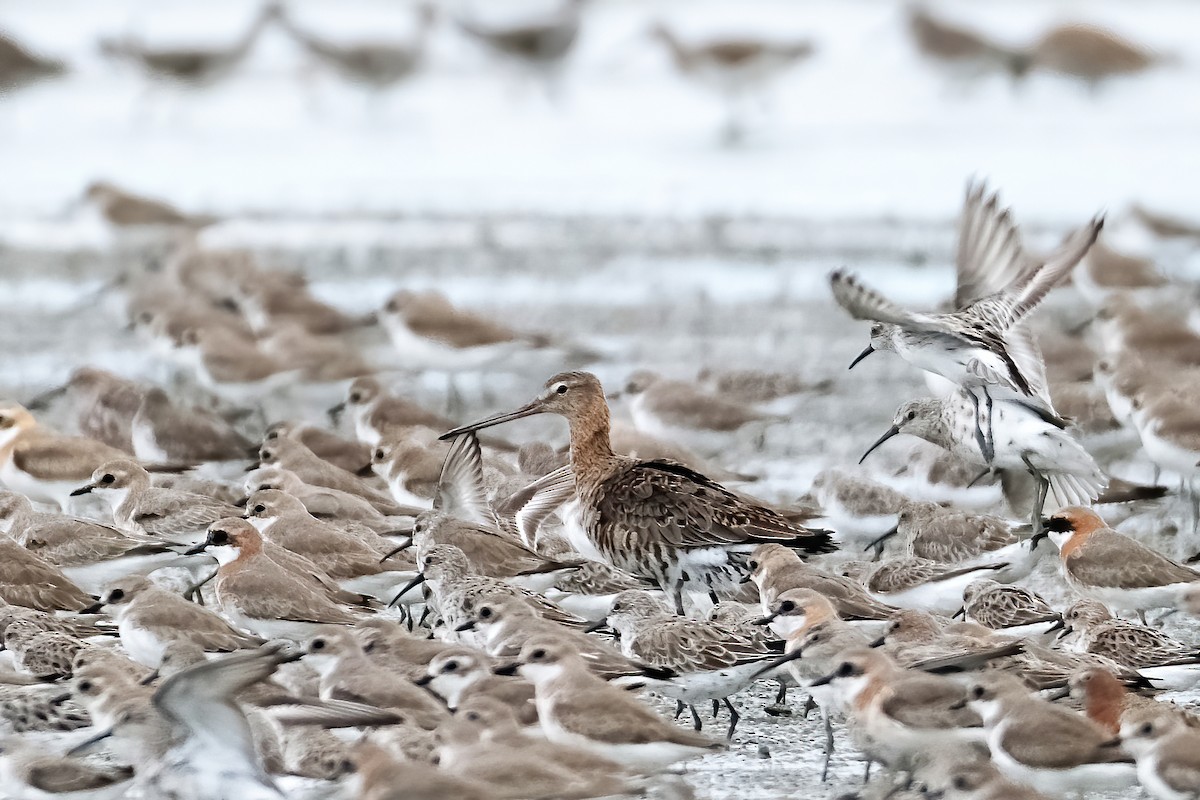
{"points": [[212, 591], [735, 67]]}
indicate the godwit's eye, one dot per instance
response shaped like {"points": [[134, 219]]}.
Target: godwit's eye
{"points": [[85, 686], [473, 716], [379, 454], [561, 388], [1147, 729], [961, 783], [109, 478], [616, 607]]}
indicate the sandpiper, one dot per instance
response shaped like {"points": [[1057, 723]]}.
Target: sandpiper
{"points": [[577, 708], [653, 518], [348, 454], [919, 583], [1023, 439], [1011, 610], [711, 661], [1167, 662], [375, 412], [27, 770], [192, 66], [775, 569], [310, 468], [125, 209], [140, 508], [463, 674], [27, 580], [980, 346], [1120, 572], [733, 67], [540, 44], [101, 402]]}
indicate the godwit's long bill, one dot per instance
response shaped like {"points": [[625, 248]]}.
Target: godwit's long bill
{"points": [[657, 519]]}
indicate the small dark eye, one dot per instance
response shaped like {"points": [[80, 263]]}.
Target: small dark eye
{"points": [[485, 612], [379, 454], [539, 654], [911, 415], [473, 716], [752, 564], [219, 537], [787, 606], [85, 686], [318, 644], [107, 479], [845, 669], [451, 666], [355, 398], [116, 594], [1147, 729], [616, 607], [561, 388], [260, 508], [961, 783], [977, 692]]}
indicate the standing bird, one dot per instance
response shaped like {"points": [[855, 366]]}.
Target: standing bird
{"points": [[1090, 54], [655, 519], [191, 66], [733, 67], [958, 49], [375, 64], [981, 346], [540, 45], [126, 210]]}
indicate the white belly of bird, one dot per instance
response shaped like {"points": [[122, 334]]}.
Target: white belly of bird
{"points": [[1152, 782], [943, 597], [141, 643], [145, 443], [717, 684], [419, 351], [1142, 599], [572, 517], [57, 492], [1173, 678], [1072, 780], [269, 628]]}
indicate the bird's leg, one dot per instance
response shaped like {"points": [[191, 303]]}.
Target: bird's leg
{"points": [[716, 707], [1142, 617], [982, 438], [989, 434], [781, 695], [979, 477], [696, 723], [679, 706], [679, 584], [809, 705], [867, 772], [194, 594], [829, 749], [1043, 488], [734, 716]]}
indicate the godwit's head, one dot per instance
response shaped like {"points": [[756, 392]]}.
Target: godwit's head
{"points": [[574, 395]]}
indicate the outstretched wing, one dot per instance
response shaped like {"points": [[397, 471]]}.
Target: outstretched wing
{"points": [[989, 258], [675, 506], [460, 489], [863, 302]]}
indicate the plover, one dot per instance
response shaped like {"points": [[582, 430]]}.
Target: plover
{"points": [[679, 411], [44, 465], [577, 708], [347, 673], [27, 580], [307, 466], [1120, 572], [383, 777], [375, 412], [27, 770], [776, 569], [259, 595], [653, 518], [462, 674], [140, 508], [1165, 748], [958, 48], [1049, 747], [539, 44], [149, 618], [348, 454], [321, 501], [162, 432], [1109, 704]]}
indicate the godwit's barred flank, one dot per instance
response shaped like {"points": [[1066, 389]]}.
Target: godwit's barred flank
{"points": [[653, 518], [982, 345]]}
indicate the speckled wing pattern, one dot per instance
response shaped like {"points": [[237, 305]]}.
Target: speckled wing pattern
{"points": [[1010, 606], [863, 302], [969, 536], [686, 646], [1138, 647], [902, 574], [667, 504], [989, 257], [171, 514]]}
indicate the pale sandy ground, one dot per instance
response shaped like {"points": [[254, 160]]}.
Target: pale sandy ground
{"points": [[664, 306]]}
